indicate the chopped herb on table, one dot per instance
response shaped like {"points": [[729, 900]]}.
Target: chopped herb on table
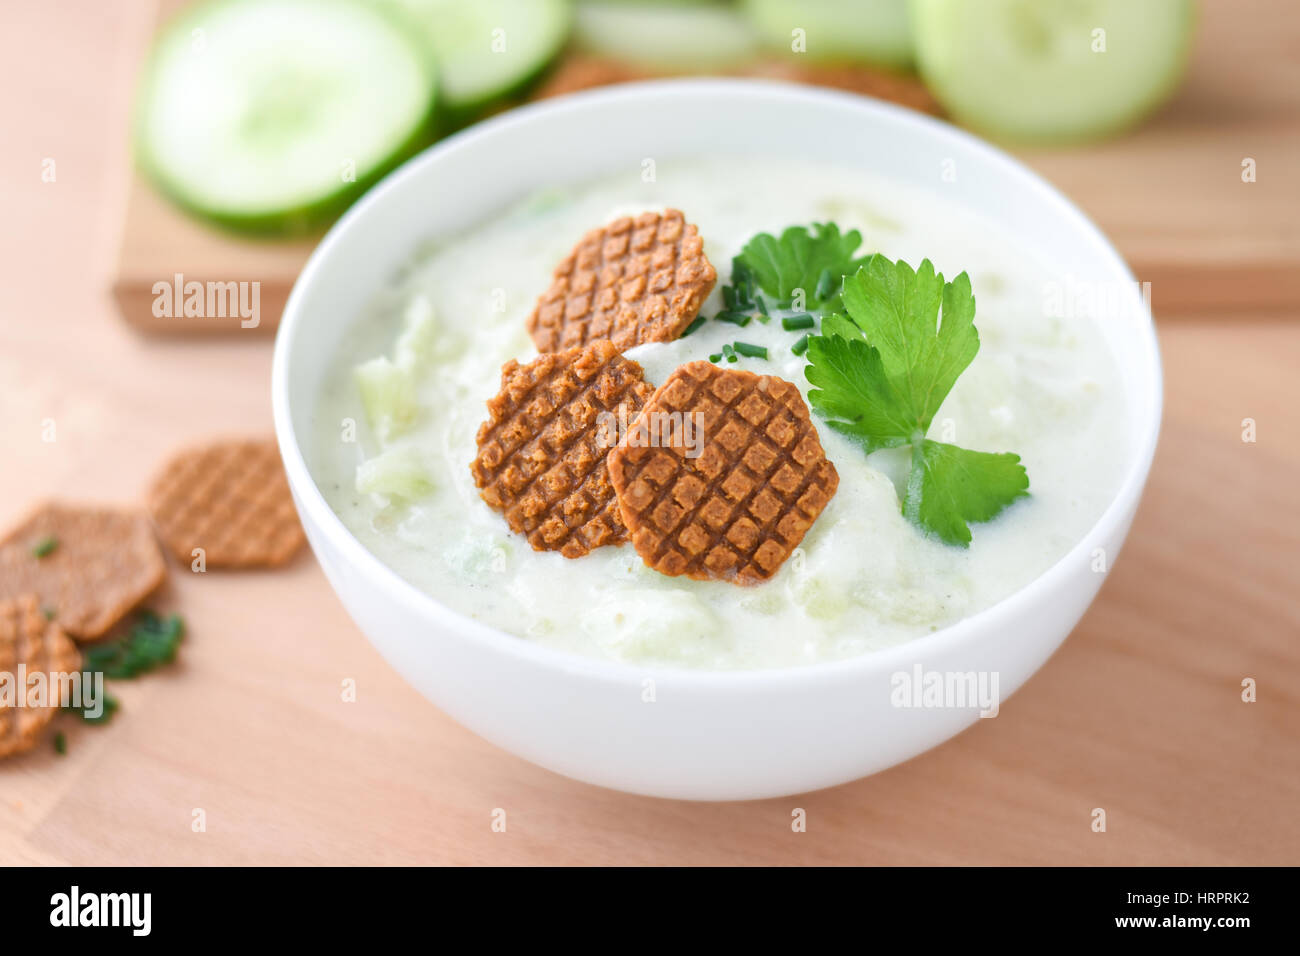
{"points": [[882, 370], [151, 643], [110, 705], [45, 547]]}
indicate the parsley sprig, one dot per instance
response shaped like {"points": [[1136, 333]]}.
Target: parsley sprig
{"points": [[891, 344], [803, 269], [881, 371]]}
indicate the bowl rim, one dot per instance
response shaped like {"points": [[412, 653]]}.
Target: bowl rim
{"points": [[398, 589]]}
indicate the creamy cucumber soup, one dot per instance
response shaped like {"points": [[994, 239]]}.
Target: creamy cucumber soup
{"points": [[393, 439]]}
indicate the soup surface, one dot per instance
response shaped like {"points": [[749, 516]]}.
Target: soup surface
{"points": [[1043, 385]]}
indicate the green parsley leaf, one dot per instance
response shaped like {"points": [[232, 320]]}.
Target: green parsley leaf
{"points": [[835, 324], [813, 260], [950, 486], [854, 394], [883, 369], [897, 309]]}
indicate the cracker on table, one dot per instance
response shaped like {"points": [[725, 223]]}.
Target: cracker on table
{"points": [[733, 502], [541, 453], [633, 281], [31, 644], [230, 498], [87, 565]]}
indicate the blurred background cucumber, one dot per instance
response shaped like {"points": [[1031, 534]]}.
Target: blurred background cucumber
{"points": [[875, 31], [1052, 71], [486, 51], [272, 116]]}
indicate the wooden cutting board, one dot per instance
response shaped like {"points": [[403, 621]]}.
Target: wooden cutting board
{"points": [[1170, 194]]}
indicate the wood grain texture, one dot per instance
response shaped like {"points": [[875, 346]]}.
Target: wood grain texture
{"points": [[1139, 713]]}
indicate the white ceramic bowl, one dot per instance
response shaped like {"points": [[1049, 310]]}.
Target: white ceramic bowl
{"points": [[706, 735]]}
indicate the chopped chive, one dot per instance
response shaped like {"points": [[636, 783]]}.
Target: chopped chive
{"points": [[804, 321], [729, 352], [742, 285], [825, 285], [762, 308], [729, 296], [715, 357], [45, 546], [801, 346], [699, 320], [48, 612], [60, 743], [735, 318], [752, 351]]}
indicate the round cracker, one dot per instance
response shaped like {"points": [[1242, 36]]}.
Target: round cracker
{"points": [[732, 501]]}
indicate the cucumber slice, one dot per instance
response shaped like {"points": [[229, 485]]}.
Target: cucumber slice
{"points": [[395, 473], [418, 343], [487, 50], [877, 31], [1026, 69], [273, 115], [673, 37], [387, 395]]}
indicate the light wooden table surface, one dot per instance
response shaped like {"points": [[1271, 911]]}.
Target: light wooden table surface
{"points": [[1140, 712]]}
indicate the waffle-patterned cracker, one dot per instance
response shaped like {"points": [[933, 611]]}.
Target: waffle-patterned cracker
{"points": [[632, 281], [40, 646], [737, 509], [89, 566], [541, 453], [232, 500]]}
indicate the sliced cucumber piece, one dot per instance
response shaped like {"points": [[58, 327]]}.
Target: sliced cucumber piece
{"points": [[418, 343], [877, 31], [272, 115], [1052, 70], [672, 37], [387, 395], [487, 50], [395, 473]]}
